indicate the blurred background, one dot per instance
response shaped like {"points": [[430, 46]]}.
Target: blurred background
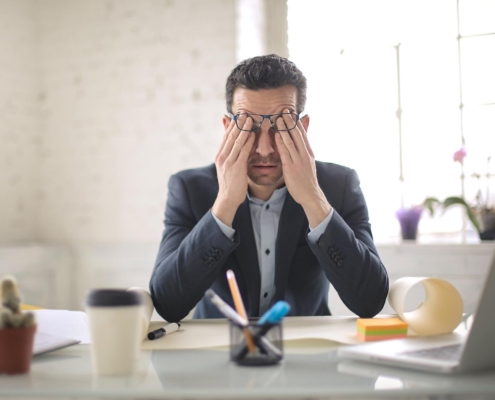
{"points": [[102, 100]]}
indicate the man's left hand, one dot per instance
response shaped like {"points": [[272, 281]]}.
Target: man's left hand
{"points": [[299, 168]]}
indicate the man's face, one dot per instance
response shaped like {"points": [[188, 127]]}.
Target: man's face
{"points": [[264, 165]]}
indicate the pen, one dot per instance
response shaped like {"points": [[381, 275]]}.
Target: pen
{"points": [[239, 306], [225, 309], [275, 314], [166, 330]]}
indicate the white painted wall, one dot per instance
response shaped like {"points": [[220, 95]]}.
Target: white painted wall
{"points": [[19, 121], [131, 91]]}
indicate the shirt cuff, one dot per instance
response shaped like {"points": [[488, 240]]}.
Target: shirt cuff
{"points": [[314, 234], [227, 230]]}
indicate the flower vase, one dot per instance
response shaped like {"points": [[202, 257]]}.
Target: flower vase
{"points": [[16, 349], [409, 221]]}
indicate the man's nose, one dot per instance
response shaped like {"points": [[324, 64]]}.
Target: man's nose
{"points": [[265, 139]]}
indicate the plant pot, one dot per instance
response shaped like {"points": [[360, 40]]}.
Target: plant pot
{"points": [[409, 221], [486, 221], [16, 349]]}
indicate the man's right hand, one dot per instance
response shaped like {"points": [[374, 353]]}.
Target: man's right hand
{"points": [[231, 162]]}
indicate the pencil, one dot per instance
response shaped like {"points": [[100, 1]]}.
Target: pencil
{"points": [[239, 306]]}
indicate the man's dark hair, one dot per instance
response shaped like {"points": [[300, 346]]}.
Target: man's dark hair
{"points": [[266, 72]]}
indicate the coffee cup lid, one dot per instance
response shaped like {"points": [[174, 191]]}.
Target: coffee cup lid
{"points": [[112, 297]]}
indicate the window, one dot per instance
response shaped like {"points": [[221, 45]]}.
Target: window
{"points": [[369, 63]]}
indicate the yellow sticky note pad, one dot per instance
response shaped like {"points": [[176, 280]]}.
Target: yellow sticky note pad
{"points": [[371, 329]]}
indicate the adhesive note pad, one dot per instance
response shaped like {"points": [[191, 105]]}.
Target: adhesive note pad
{"points": [[441, 311], [371, 329]]}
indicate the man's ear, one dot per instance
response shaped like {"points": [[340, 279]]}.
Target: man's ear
{"points": [[305, 122], [226, 121]]}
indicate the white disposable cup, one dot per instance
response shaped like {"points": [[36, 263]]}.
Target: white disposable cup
{"points": [[115, 331]]}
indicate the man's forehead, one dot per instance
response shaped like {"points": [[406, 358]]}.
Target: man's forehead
{"points": [[264, 100]]}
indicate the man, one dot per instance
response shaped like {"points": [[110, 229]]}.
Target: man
{"points": [[286, 224]]}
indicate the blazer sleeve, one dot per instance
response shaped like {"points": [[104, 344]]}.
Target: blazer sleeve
{"points": [[190, 256], [348, 256]]}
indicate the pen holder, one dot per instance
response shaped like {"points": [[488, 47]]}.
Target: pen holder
{"points": [[266, 340]]}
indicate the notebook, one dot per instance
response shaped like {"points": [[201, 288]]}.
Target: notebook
{"points": [[45, 342], [57, 329], [451, 353]]}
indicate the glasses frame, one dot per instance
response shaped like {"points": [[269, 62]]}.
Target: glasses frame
{"points": [[265, 116]]}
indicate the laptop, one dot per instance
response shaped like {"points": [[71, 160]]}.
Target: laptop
{"points": [[450, 353]]}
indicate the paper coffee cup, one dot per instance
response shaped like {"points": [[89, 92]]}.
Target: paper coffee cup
{"points": [[115, 330]]}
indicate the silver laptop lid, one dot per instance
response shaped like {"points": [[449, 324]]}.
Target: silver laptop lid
{"points": [[479, 351]]}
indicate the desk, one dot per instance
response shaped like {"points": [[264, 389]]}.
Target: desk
{"points": [[313, 372]]}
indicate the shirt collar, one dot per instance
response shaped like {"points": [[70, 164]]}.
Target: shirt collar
{"points": [[278, 196]]}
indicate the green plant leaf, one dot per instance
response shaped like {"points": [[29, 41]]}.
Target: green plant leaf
{"points": [[430, 203], [453, 200]]}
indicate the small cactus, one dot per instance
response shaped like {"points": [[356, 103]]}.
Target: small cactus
{"points": [[10, 308]]}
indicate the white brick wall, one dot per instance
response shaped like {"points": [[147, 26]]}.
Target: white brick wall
{"points": [[131, 91], [100, 101], [19, 123]]}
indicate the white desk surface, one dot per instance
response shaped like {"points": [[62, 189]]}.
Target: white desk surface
{"points": [[310, 370]]}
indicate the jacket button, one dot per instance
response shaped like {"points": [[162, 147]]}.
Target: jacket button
{"points": [[334, 255], [218, 252], [340, 263]]}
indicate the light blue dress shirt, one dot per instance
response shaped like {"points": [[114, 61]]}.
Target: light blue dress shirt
{"points": [[265, 216]]}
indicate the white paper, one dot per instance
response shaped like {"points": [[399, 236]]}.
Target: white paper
{"points": [[208, 333], [64, 324], [44, 342], [441, 311]]}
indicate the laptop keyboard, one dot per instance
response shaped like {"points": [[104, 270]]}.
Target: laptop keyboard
{"points": [[447, 353]]}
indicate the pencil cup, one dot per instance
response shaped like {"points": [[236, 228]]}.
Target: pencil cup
{"points": [[267, 343], [114, 326]]}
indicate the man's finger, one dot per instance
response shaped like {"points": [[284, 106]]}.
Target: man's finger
{"points": [[282, 149], [246, 149], [241, 140], [287, 141], [225, 136], [305, 137], [297, 137], [231, 138]]}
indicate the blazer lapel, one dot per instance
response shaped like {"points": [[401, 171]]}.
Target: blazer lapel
{"points": [[247, 257], [291, 223]]}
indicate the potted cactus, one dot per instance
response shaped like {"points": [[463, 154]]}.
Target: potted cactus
{"points": [[17, 330]]}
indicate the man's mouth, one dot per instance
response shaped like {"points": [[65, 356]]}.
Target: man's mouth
{"points": [[264, 167]]}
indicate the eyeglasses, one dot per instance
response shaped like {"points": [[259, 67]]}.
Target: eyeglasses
{"points": [[259, 118]]}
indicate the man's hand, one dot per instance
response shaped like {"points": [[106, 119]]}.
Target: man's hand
{"points": [[231, 162], [299, 168]]}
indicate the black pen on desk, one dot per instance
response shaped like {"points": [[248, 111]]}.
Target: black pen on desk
{"points": [[166, 330]]}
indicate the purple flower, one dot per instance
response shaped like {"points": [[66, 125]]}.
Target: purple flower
{"points": [[459, 155]]}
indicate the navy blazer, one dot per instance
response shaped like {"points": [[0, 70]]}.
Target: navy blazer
{"points": [[194, 253]]}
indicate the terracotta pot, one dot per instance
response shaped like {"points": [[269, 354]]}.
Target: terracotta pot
{"points": [[16, 349]]}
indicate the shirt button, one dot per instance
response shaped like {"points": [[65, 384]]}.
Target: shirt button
{"points": [[265, 295], [267, 251], [268, 206]]}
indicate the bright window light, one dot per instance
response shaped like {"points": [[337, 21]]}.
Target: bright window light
{"points": [[358, 56]]}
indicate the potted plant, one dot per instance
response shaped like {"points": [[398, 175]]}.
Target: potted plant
{"points": [[480, 212], [409, 221], [17, 330]]}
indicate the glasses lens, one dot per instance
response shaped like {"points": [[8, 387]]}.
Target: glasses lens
{"points": [[241, 118], [289, 125]]}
